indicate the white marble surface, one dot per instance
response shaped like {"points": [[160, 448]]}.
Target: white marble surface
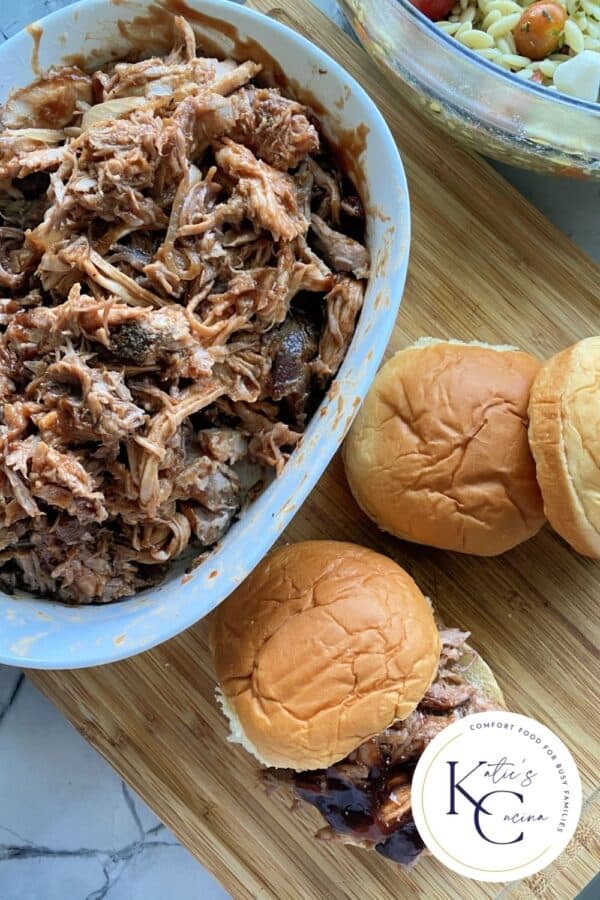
{"points": [[69, 828]]}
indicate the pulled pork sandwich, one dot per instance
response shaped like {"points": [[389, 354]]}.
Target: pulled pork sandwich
{"points": [[333, 672], [181, 269]]}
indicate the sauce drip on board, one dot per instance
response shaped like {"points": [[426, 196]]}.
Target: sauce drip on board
{"points": [[361, 809]]}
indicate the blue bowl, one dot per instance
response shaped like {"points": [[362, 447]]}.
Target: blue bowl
{"points": [[40, 633]]}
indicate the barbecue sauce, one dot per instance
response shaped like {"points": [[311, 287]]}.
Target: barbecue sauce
{"points": [[354, 807], [404, 846]]}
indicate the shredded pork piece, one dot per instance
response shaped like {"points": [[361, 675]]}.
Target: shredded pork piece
{"points": [[31, 158], [268, 194], [275, 128], [340, 252], [50, 103], [181, 269], [344, 303]]}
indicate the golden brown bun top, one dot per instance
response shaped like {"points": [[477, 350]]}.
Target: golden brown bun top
{"points": [[323, 646], [564, 434], [438, 453]]}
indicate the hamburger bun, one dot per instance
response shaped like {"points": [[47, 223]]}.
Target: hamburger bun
{"points": [[438, 453], [322, 647], [564, 434]]}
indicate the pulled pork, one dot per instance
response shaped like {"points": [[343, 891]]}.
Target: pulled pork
{"points": [[181, 269], [365, 798]]}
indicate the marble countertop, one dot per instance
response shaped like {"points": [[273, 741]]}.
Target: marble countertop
{"points": [[70, 829]]}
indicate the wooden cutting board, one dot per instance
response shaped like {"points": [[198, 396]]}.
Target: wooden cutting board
{"points": [[485, 265]]}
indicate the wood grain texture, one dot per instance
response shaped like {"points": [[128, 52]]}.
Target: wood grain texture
{"points": [[484, 265]]}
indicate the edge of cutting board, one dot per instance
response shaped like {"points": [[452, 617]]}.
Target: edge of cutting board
{"points": [[484, 264]]}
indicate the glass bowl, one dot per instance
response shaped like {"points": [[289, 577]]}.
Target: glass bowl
{"points": [[484, 106]]}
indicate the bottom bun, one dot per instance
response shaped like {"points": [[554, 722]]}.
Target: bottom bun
{"points": [[480, 675]]}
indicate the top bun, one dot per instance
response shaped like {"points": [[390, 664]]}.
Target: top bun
{"points": [[438, 453], [564, 434], [322, 647]]}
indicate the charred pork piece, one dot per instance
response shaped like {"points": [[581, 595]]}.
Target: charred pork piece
{"points": [[290, 348]]}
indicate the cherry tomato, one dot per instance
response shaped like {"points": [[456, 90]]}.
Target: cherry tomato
{"points": [[434, 9], [538, 30]]}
